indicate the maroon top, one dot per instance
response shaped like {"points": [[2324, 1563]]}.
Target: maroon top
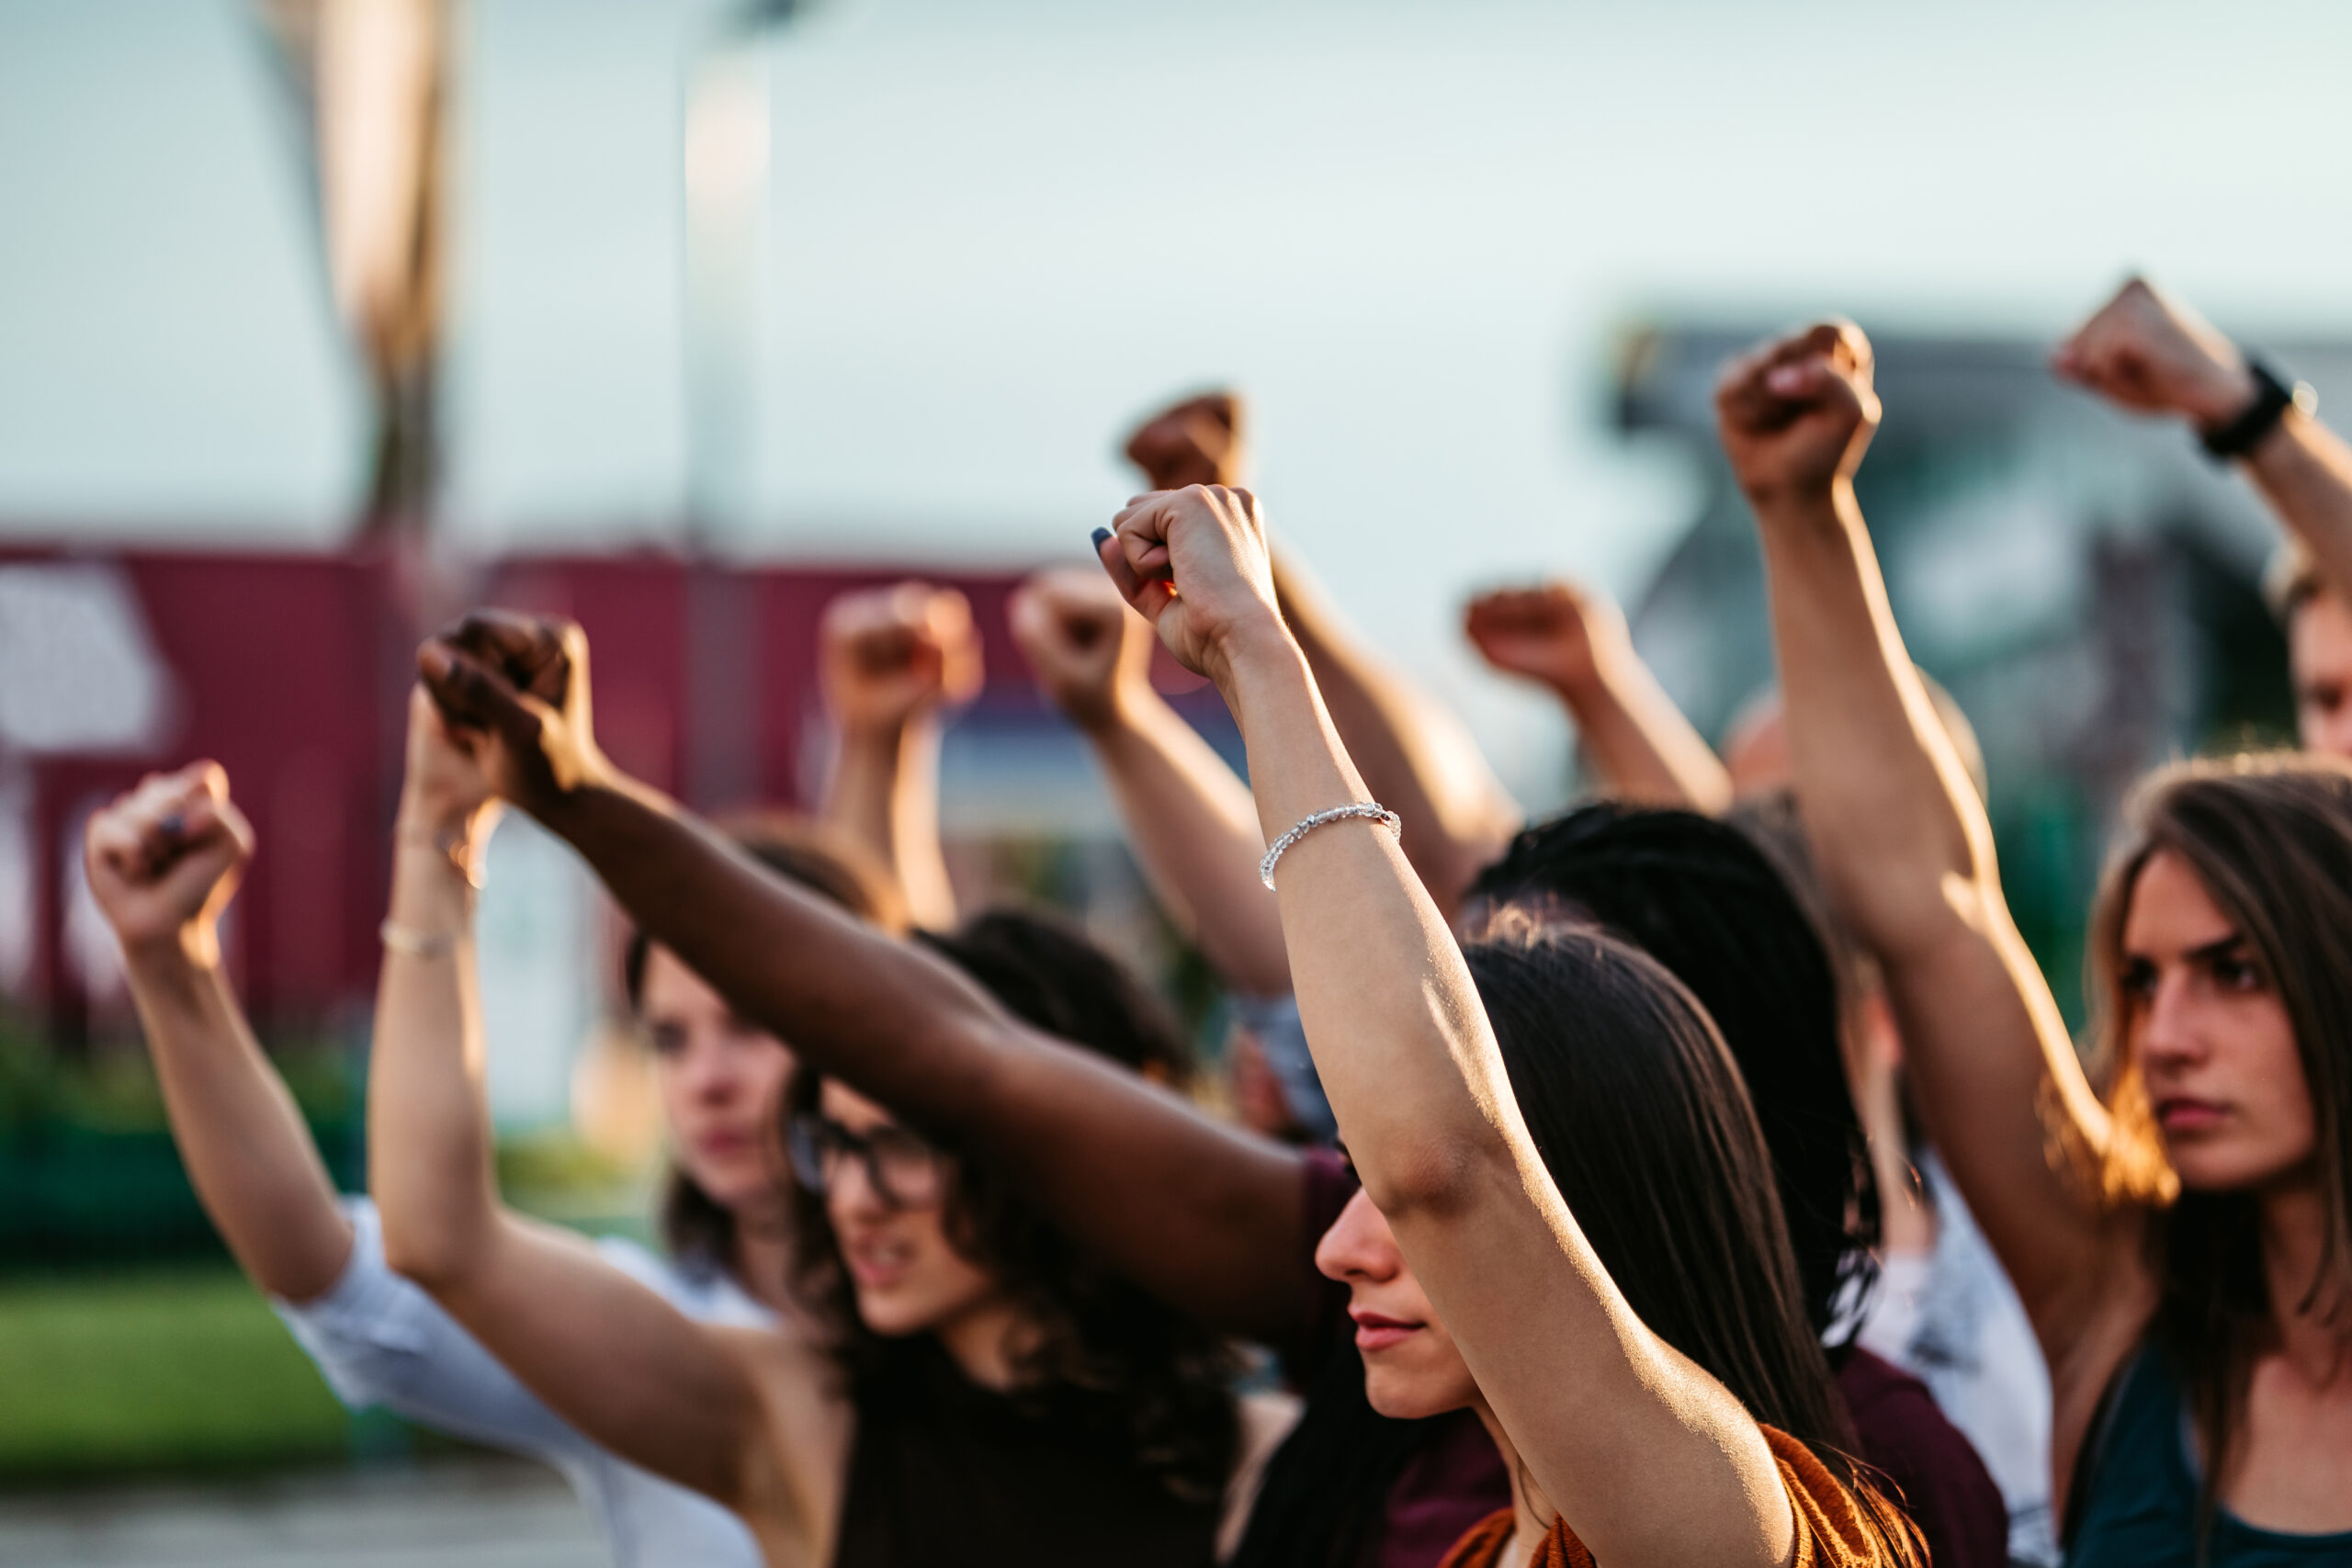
{"points": [[1944, 1486], [1455, 1477]]}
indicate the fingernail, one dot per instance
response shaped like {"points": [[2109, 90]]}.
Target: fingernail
{"points": [[173, 825], [1100, 536]]}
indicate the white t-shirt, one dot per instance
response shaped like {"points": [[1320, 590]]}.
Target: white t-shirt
{"points": [[381, 1340], [1952, 1319]]}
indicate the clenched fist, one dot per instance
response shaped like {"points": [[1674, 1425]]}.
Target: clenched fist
{"points": [[1556, 633], [163, 861], [514, 691], [886, 655], [1193, 563], [1201, 440], [2147, 352], [1796, 415], [1090, 651]]}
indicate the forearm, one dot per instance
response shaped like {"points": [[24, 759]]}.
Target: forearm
{"points": [[1201, 1213], [248, 1152], [1886, 803], [428, 1115], [1640, 745], [1416, 757], [1598, 1407], [2304, 471], [883, 793], [1194, 829]]}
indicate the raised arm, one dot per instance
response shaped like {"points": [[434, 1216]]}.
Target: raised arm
{"points": [[1576, 643], [1416, 755], [1190, 820], [163, 862], [604, 1352], [1904, 843], [1207, 1217], [892, 660], [2148, 353], [1608, 1418]]}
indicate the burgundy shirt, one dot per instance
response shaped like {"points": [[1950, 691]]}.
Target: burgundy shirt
{"points": [[1944, 1486], [1455, 1478]]}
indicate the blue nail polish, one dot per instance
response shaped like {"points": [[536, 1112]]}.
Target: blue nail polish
{"points": [[1100, 534]]}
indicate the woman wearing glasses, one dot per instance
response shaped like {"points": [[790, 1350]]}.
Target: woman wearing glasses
{"points": [[980, 1391]]}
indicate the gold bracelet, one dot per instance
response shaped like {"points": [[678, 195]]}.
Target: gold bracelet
{"points": [[419, 944]]}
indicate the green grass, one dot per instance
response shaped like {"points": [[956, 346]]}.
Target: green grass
{"points": [[156, 1372]]}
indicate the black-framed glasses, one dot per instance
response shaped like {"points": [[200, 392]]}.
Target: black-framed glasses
{"points": [[904, 1171]]}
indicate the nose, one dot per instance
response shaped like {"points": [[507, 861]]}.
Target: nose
{"points": [[2169, 1035], [1359, 1245], [709, 1069]]}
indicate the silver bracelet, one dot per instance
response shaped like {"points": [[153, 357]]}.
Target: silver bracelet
{"points": [[419, 944], [1367, 808]]}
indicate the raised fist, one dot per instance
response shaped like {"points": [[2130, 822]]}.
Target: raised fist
{"points": [[1088, 649], [514, 691], [1554, 633], [1796, 415], [1193, 563], [884, 655], [445, 794], [2147, 352], [163, 861], [1199, 441]]}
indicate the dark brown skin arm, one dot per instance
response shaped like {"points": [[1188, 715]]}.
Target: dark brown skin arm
{"points": [[1205, 1216]]}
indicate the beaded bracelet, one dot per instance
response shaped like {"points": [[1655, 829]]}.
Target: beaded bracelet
{"points": [[419, 944], [1365, 809]]}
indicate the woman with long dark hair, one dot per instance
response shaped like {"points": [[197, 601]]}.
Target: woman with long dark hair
{"points": [[2182, 1241], [1714, 1437], [976, 1388]]}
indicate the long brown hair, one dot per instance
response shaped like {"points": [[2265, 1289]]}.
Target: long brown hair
{"points": [[698, 1230], [2270, 839]]}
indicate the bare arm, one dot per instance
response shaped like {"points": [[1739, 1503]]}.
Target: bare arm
{"points": [[1209, 1218], [1417, 758], [1907, 850], [892, 658], [604, 1352], [2149, 353], [1190, 822], [1636, 739], [1607, 1417], [163, 862]]}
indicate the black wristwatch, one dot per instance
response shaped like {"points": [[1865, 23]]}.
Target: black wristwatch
{"points": [[2272, 398]]}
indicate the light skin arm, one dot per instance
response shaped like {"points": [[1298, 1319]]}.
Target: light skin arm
{"points": [[1416, 756], [604, 1352], [2150, 354], [1907, 850], [1209, 1218], [1193, 825], [1607, 1417], [891, 661], [1575, 644], [163, 862]]}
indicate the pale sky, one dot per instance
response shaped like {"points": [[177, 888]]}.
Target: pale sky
{"points": [[997, 232]]}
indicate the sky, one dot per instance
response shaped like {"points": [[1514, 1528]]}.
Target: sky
{"points": [[1415, 234]]}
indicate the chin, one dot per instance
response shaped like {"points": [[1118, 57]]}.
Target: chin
{"points": [[1402, 1396], [2220, 1168]]}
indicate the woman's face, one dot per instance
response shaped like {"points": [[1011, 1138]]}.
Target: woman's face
{"points": [[908, 1277], [2211, 1038], [1410, 1367], [722, 1084]]}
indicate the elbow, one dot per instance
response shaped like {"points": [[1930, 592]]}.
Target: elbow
{"points": [[437, 1258]]}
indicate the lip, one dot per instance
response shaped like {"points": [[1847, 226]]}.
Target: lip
{"points": [[723, 1144], [876, 1265], [2179, 1113], [1378, 1331]]}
